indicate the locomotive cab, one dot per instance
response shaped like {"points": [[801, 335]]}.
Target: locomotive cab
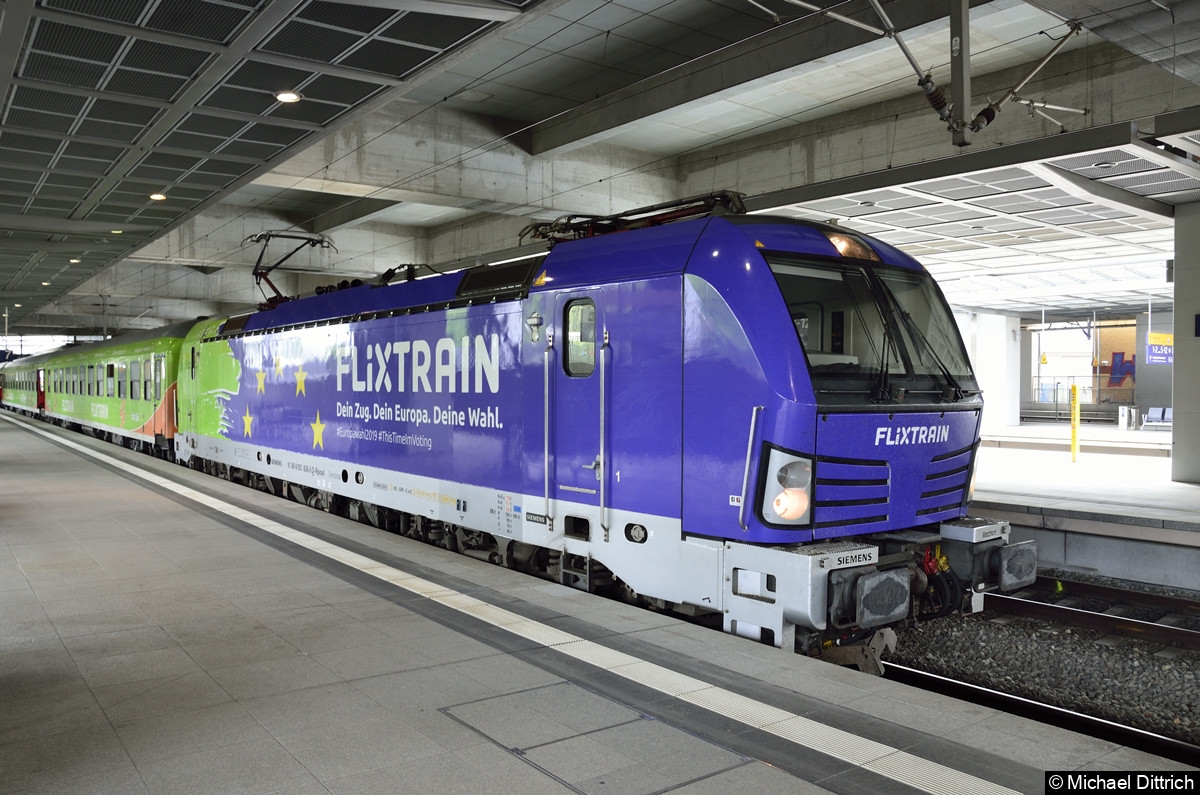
{"points": [[864, 416]]}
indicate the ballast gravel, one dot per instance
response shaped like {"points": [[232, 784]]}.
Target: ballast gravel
{"points": [[1122, 680]]}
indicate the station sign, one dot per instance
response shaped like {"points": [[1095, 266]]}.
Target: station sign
{"points": [[1160, 348]]}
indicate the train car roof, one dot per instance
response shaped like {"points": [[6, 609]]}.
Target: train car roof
{"points": [[619, 256], [173, 330]]}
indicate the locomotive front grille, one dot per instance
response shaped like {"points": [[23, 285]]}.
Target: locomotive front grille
{"points": [[862, 493], [850, 492], [946, 484]]}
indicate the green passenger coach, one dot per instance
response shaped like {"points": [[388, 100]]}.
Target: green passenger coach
{"points": [[120, 389]]}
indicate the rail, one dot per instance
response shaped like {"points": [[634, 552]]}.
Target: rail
{"points": [[1159, 631]]}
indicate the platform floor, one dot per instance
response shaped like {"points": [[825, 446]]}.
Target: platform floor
{"points": [[1125, 472], [183, 634]]}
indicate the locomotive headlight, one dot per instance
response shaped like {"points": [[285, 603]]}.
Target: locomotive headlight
{"points": [[787, 490], [851, 245], [791, 504]]}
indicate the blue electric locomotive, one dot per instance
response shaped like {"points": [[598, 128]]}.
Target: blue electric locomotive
{"points": [[764, 419]]}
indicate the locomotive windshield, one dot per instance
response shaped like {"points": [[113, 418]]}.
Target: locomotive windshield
{"points": [[874, 334]]}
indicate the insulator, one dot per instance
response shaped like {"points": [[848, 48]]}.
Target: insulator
{"points": [[985, 117], [936, 98]]}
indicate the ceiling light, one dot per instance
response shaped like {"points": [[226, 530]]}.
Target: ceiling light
{"points": [[18, 306], [75, 260], [1104, 164], [288, 96], [116, 231], [157, 197], [45, 284]]}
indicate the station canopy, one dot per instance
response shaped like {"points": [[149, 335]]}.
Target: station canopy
{"points": [[106, 102]]}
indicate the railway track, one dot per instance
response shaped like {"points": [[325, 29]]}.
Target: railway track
{"points": [[1105, 609]]}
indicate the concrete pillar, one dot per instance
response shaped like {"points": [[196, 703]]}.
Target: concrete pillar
{"points": [[1025, 391], [1153, 380], [994, 345], [1185, 448]]}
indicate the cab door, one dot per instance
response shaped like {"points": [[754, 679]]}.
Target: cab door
{"points": [[579, 423]]}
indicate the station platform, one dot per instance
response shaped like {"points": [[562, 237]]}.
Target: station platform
{"points": [[162, 631], [1127, 470], [1114, 510]]}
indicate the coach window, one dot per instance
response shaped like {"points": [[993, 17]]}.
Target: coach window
{"points": [[135, 380], [110, 376], [580, 360], [122, 375]]}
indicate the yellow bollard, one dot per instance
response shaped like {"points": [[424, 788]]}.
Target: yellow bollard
{"points": [[1074, 422]]}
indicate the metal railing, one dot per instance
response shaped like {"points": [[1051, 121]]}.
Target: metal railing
{"points": [[1058, 392]]}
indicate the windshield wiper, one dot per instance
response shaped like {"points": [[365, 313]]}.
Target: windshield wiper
{"points": [[954, 391], [883, 389]]}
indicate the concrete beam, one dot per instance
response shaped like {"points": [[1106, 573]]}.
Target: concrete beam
{"points": [[349, 214], [476, 9], [1096, 139], [774, 51]]}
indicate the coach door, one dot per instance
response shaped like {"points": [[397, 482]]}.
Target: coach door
{"points": [[164, 409], [579, 416], [187, 392], [41, 389]]}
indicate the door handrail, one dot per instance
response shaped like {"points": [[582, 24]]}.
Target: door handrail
{"points": [[546, 367], [602, 457], [754, 412]]}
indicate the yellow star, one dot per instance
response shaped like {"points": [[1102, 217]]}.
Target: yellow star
{"points": [[278, 367], [247, 419], [262, 381], [318, 432], [300, 374]]}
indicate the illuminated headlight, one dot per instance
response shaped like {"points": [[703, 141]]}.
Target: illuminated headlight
{"points": [[850, 245], [787, 490]]}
